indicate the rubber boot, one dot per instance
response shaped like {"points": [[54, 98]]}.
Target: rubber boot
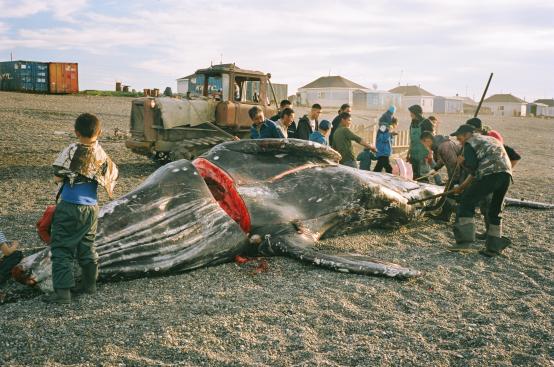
{"points": [[446, 212], [61, 296], [495, 242], [464, 233], [89, 273]]}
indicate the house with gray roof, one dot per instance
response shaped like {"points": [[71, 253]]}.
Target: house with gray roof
{"points": [[506, 105], [329, 91], [414, 94], [541, 107]]}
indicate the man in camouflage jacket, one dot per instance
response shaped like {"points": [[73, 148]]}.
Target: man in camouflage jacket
{"points": [[490, 172]]}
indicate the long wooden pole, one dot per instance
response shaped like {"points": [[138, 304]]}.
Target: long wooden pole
{"points": [[483, 96]]}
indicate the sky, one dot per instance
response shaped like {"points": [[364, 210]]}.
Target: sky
{"points": [[447, 47]]}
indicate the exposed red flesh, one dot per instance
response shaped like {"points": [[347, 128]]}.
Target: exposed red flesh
{"points": [[224, 191]]}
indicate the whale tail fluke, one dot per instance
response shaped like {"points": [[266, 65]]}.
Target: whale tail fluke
{"points": [[291, 242]]}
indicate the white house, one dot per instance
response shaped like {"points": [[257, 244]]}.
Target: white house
{"points": [[448, 104], [506, 105], [183, 84], [376, 99], [546, 107], [413, 94], [329, 91]]}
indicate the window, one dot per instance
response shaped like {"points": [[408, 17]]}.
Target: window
{"points": [[501, 108], [321, 95], [247, 89]]}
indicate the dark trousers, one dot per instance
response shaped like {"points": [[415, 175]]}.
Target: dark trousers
{"points": [[496, 184], [416, 169], [73, 233], [383, 162]]}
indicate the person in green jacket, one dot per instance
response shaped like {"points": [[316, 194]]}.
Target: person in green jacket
{"points": [[417, 150], [342, 141]]}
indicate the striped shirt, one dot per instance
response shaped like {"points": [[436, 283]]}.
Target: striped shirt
{"points": [[3, 238]]}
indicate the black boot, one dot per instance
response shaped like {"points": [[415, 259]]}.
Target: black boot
{"points": [[89, 273], [61, 296]]}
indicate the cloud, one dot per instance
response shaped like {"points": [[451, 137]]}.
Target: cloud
{"points": [[60, 9], [442, 44]]}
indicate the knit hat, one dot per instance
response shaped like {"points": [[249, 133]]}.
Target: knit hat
{"points": [[416, 109], [392, 109], [495, 134], [324, 125]]}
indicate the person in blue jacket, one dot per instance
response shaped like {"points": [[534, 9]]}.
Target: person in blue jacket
{"points": [[386, 118], [320, 135], [383, 142], [256, 114], [278, 129]]}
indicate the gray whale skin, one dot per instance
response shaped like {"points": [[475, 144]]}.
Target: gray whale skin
{"points": [[252, 197]]}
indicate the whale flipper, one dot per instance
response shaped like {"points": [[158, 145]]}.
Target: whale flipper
{"points": [[299, 244]]}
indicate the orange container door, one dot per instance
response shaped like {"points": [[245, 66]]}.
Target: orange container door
{"points": [[55, 77], [74, 79]]}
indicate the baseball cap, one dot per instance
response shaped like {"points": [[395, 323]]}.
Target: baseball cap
{"points": [[465, 128]]}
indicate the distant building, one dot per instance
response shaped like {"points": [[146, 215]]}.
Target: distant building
{"points": [[413, 94], [281, 91], [448, 104], [541, 107], [375, 99], [470, 106], [183, 84], [329, 91], [506, 105]]}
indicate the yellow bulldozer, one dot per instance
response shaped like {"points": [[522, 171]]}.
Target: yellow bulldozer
{"points": [[216, 110]]}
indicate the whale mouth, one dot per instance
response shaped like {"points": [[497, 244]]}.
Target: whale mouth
{"points": [[223, 189]]}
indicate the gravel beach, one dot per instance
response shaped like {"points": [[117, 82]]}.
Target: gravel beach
{"points": [[466, 310]]}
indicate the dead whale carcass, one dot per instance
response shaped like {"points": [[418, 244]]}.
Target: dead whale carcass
{"points": [[286, 193]]}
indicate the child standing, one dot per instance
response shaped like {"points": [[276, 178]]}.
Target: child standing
{"points": [[79, 168], [320, 135], [383, 142], [365, 157]]}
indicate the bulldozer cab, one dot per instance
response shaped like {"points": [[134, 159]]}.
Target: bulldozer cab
{"points": [[237, 90]]}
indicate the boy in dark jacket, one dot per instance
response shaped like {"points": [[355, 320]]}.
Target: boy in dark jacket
{"points": [[365, 157], [308, 123]]}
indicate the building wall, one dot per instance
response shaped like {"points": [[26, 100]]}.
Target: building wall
{"points": [[426, 102], [281, 91], [447, 105], [182, 86], [328, 97], [507, 108]]}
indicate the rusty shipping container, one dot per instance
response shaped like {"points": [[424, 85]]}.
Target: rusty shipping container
{"points": [[64, 77]]}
